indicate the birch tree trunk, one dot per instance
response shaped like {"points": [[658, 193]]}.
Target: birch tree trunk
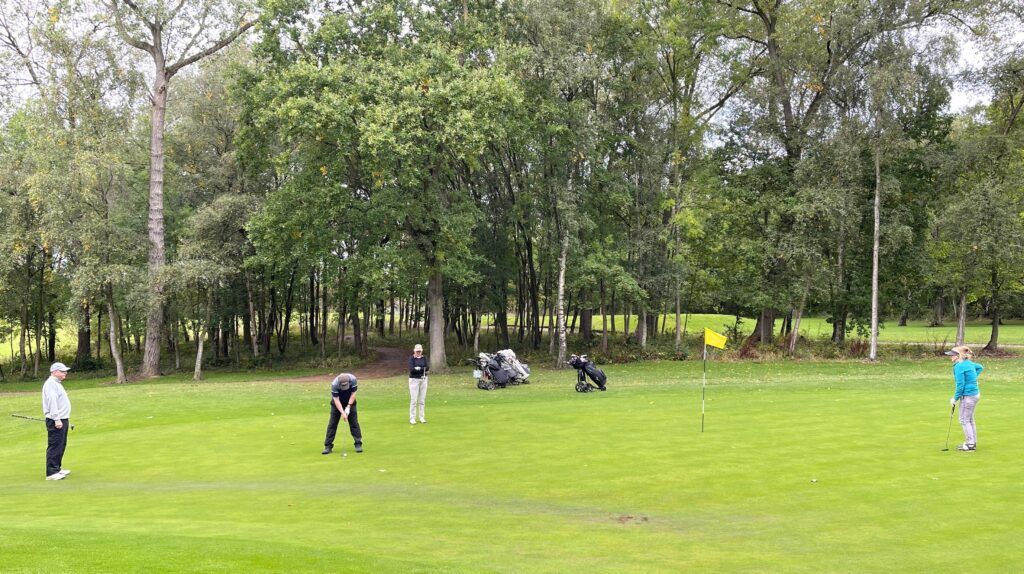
{"points": [[641, 328], [873, 352], [115, 347], [795, 335], [197, 373], [560, 361]]}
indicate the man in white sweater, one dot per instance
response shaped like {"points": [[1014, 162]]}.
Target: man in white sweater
{"points": [[57, 410]]}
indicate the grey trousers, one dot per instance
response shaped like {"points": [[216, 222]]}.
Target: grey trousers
{"points": [[418, 399], [967, 405]]}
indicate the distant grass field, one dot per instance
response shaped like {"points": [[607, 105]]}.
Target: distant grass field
{"points": [[978, 331], [228, 476]]}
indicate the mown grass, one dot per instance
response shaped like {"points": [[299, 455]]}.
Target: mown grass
{"points": [[227, 476], [1011, 332]]}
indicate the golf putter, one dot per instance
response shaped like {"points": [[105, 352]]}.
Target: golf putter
{"points": [[948, 428]]}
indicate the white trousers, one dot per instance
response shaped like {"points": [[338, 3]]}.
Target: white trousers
{"points": [[417, 399]]}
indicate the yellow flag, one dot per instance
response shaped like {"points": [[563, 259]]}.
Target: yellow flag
{"points": [[714, 339]]}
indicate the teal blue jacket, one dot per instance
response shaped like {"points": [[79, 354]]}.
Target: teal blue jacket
{"points": [[966, 374]]}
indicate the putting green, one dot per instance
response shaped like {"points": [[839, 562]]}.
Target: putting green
{"points": [[228, 476]]}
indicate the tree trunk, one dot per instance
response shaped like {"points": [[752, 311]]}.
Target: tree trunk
{"points": [[501, 318], [314, 310], [534, 294], [324, 318], [83, 354], [39, 318], [938, 310], [21, 343], [197, 373], [435, 305], [993, 340], [99, 333], [477, 321], [587, 325], [342, 324], [286, 323], [764, 329], [253, 328], [364, 344], [115, 348], [604, 322], [613, 308], [155, 317], [391, 318], [794, 336], [679, 322], [873, 351], [177, 345], [641, 328], [560, 360], [961, 318], [357, 329], [839, 326]]}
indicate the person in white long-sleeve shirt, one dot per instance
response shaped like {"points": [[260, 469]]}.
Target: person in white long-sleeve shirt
{"points": [[57, 411]]}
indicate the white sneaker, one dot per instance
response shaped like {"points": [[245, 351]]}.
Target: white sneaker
{"points": [[56, 476], [423, 421], [412, 421], [64, 471]]}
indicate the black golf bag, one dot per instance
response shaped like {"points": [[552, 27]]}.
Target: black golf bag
{"points": [[499, 370], [585, 368]]}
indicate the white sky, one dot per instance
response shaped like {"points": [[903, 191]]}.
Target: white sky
{"points": [[973, 55]]}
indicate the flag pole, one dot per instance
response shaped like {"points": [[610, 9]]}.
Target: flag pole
{"points": [[703, 384]]}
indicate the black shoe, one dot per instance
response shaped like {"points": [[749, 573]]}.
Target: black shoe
{"points": [[359, 448], [604, 388], [327, 450]]}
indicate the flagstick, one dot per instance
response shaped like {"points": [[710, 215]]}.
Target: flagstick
{"points": [[703, 386]]}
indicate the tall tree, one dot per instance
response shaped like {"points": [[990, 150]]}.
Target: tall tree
{"points": [[174, 36]]}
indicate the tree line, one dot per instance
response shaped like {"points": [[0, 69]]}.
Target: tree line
{"points": [[223, 173]]}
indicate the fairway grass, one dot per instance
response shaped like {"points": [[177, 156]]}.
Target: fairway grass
{"points": [[228, 476]]}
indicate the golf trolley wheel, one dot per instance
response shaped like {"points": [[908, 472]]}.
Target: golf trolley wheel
{"points": [[485, 385]]}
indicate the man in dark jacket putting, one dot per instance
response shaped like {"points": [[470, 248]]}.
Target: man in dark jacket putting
{"points": [[343, 406]]}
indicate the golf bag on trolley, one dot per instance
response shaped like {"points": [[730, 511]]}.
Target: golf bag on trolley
{"points": [[585, 368], [499, 370]]}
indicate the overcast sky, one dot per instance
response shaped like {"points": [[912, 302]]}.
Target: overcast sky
{"points": [[972, 57]]}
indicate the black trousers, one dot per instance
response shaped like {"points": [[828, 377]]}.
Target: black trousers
{"points": [[56, 442], [353, 426]]}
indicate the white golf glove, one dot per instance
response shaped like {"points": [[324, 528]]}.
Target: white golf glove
{"points": [[347, 410], [952, 402]]}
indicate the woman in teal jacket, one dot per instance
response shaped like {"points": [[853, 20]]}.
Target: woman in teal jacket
{"points": [[965, 372]]}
